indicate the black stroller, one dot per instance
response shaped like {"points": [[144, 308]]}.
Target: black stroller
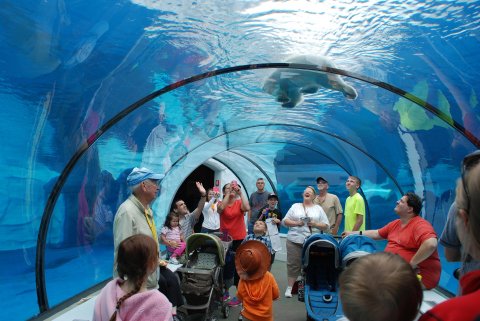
{"points": [[202, 277]]}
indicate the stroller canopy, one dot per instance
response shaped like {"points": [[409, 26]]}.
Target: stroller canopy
{"points": [[202, 240], [355, 246], [316, 241]]}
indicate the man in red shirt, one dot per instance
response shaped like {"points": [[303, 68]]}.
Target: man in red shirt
{"points": [[411, 237]]}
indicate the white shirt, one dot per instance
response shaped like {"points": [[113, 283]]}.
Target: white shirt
{"points": [[297, 234], [211, 218]]}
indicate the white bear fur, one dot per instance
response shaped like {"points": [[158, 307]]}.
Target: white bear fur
{"points": [[289, 85]]}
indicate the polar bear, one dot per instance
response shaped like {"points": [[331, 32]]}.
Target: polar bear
{"points": [[289, 85]]}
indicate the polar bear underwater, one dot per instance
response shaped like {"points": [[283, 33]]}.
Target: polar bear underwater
{"points": [[289, 85]]}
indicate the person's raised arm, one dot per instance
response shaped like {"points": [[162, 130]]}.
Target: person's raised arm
{"points": [[245, 205], [222, 204], [201, 203], [424, 251]]}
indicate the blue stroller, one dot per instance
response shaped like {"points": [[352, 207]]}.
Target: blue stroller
{"points": [[323, 258], [355, 246], [321, 268]]}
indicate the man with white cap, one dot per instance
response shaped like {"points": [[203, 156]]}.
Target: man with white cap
{"points": [[135, 216]]}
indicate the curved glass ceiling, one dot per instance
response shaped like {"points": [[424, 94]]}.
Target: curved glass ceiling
{"points": [[77, 115]]}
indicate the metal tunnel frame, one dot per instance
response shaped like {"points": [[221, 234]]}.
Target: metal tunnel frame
{"points": [[54, 194]]}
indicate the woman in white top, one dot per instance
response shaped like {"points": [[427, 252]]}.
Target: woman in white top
{"points": [[211, 218], [302, 219]]}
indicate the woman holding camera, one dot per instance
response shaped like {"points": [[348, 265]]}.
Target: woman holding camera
{"points": [[232, 210], [302, 219]]}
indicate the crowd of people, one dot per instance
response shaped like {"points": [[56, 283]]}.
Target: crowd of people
{"points": [[409, 263]]}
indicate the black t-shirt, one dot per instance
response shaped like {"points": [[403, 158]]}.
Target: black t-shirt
{"points": [[275, 213]]}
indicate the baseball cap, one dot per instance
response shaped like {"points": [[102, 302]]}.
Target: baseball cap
{"points": [[321, 179], [138, 175], [272, 195]]}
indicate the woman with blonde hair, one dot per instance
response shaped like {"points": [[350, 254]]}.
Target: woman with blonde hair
{"points": [[127, 297], [302, 219], [465, 307], [380, 287]]}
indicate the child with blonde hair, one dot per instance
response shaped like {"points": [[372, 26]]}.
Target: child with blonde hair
{"points": [[380, 287]]}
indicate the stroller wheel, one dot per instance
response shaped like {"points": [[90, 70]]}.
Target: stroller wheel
{"points": [[180, 316], [225, 311]]}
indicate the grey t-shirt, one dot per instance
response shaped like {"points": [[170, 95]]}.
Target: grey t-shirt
{"points": [[187, 224], [257, 201], [449, 238]]}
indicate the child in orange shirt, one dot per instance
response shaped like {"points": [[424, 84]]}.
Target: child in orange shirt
{"points": [[257, 287]]}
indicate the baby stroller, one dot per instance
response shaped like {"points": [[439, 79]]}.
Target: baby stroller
{"points": [[321, 268], [355, 246], [202, 277]]}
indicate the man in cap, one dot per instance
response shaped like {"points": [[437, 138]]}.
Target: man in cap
{"points": [[257, 287], [189, 219], [330, 204], [135, 216]]}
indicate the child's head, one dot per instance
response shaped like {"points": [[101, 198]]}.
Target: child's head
{"points": [[172, 220], [272, 200], [380, 287], [137, 258], [252, 260], [260, 228], [353, 183]]}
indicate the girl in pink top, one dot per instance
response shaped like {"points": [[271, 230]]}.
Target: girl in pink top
{"points": [[127, 297], [172, 237]]}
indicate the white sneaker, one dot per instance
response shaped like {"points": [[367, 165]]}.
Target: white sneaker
{"points": [[173, 260], [288, 292]]}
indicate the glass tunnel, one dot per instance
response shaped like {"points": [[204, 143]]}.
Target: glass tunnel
{"points": [[284, 90]]}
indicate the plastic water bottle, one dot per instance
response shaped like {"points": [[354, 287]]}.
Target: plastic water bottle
{"points": [[301, 290]]}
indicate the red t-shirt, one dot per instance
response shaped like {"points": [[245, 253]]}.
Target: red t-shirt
{"points": [[464, 307], [232, 221], [405, 241]]}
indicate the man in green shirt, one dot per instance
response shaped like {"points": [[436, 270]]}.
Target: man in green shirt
{"points": [[354, 206]]}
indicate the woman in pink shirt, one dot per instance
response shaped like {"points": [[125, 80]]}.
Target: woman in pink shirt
{"points": [[127, 297]]}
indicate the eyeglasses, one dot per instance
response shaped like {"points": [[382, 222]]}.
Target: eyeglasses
{"points": [[154, 183], [468, 162]]}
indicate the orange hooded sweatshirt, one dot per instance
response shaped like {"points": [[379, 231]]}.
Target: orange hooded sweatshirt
{"points": [[257, 297]]}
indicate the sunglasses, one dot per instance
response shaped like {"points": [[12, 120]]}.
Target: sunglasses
{"points": [[468, 162]]}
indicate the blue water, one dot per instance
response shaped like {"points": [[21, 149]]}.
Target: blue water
{"points": [[67, 68]]}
